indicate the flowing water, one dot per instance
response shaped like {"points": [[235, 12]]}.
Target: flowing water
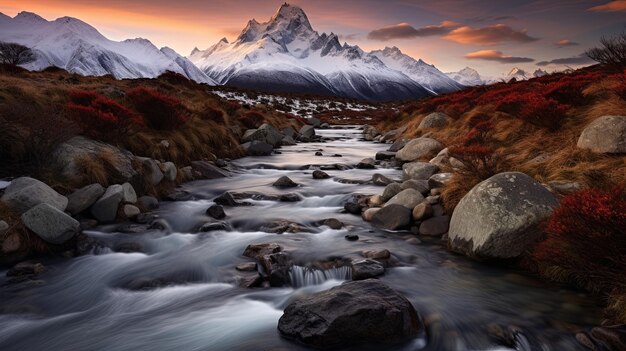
{"points": [[85, 303]]}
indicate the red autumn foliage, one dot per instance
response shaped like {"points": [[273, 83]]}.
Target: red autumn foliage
{"points": [[160, 111], [100, 117], [535, 108], [586, 238], [478, 159]]}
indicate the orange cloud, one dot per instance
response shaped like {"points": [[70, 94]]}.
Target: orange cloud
{"points": [[497, 56], [405, 31], [565, 42], [490, 35], [611, 6]]}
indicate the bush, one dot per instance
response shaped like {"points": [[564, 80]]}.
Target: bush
{"points": [[160, 111], [534, 108], [612, 53], [586, 240], [479, 159], [251, 119]]}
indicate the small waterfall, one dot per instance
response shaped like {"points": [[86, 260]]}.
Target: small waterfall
{"points": [[304, 276]]}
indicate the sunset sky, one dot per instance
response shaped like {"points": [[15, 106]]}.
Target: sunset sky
{"points": [[491, 36]]}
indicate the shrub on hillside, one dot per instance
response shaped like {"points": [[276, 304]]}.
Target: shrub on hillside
{"points": [[611, 53], [160, 111], [251, 119], [479, 159], [586, 240], [535, 108]]}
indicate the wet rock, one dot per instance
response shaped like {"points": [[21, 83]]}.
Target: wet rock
{"points": [[433, 199], [25, 193], [27, 268], [408, 198], [435, 120], [383, 254], [333, 223], [247, 267], [366, 163], [397, 145], [417, 184], [151, 170], [390, 191], [250, 280], [418, 170], [435, 226], [362, 312], [381, 180], [265, 133], [392, 217], [285, 182], [315, 122], [169, 171], [128, 247], [500, 217], [105, 209], [145, 218], [281, 226], [131, 211], [325, 126], [207, 170], [366, 269], [604, 338], [419, 148], [353, 206], [4, 227], [289, 132], [370, 132], [308, 132], [369, 214], [129, 194], [257, 148], [337, 155], [605, 135], [132, 228], [215, 226], [147, 203], [288, 141], [439, 180], [50, 224], [180, 195], [375, 201], [385, 155], [83, 198], [291, 197], [227, 199], [351, 237], [216, 211], [392, 134], [422, 211], [320, 175], [274, 261]]}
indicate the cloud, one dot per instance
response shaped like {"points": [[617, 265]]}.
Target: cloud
{"points": [[611, 6], [565, 42], [581, 59], [498, 56], [349, 37], [406, 31], [489, 35]]}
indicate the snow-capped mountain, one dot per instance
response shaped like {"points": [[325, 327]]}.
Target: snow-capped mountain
{"points": [[78, 47], [468, 77], [517, 73], [426, 75], [539, 73], [286, 54]]}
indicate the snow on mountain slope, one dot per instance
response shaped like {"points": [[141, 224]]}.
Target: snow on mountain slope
{"points": [[78, 47], [426, 75], [467, 76], [286, 54]]}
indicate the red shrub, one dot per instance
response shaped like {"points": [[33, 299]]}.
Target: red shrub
{"points": [[478, 159], [586, 238], [160, 111], [83, 97], [534, 108], [252, 119]]}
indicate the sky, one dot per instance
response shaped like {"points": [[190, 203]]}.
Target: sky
{"points": [[492, 36]]}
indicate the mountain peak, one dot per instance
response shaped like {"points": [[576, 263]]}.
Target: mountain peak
{"points": [[292, 16], [29, 16]]}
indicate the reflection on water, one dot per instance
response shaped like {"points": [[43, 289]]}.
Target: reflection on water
{"points": [[101, 301]]}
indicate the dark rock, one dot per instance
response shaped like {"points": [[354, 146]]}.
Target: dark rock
{"points": [[105, 209], [247, 267], [385, 155], [319, 153], [207, 170], [422, 211], [363, 312], [383, 254], [392, 217], [227, 199], [351, 237], [214, 226], [50, 224], [216, 211], [320, 175], [83, 198], [274, 261], [390, 191], [132, 228], [367, 163], [353, 207], [285, 182], [281, 226], [291, 197], [392, 134], [250, 280], [25, 193], [333, 223], [366, 269], [419, 170], [128, 247], [308, 132], [148, 203], [417, 184], [257, 148], [435, 226], [397, 145], [381, 180], [26, 269]]}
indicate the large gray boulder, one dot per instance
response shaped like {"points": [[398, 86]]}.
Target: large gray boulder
{"points": [[265, 133], [392, 217], [390, 191], [130, 195], [69, 156], [354, 313], [105, 209], [169, 171], [408, 198], [370, 133], [435, 120], [83, 198], [605, 135], [208, 170], [307, 132], [392, 134], [500, 217], [50, 224], [257, 148], [419, 148], [151, 170], [418, 170], [25, 193]]}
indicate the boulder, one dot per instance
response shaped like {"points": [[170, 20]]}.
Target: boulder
{"points": [[375, 201], [366, 269], [351, 237], [227, 199], [216, 211], [418, 148], [285, 182], [392, 134], [288, 141], [333, 223], [83, 198], [500, 217], [25, 193], [4, 227], [418, 170], [148, 203], [169, 171], [315, 122], [383, 254], [289, 132], [130, 196], [68, 158], [379, 179], [385, 155], [397, 145], [392, 217], [368, 214], [308, 132], [273, 259], [435, 226], [605, 135], [408, 198], [361, 312], [440, 179], [265, 133], [390, 191], [422, 211], [247, 267], [105, 209], [50, 224], [320, 175], [207, 170], [420, 185], [151, 170], [436, 120], [370, 133], [257, 148], [131, 211], [366, 163]]}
